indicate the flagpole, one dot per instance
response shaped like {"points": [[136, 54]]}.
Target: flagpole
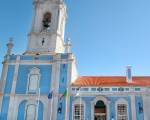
{"points": [[66, 114], [51, 108], [38, 104], [80, 105]]}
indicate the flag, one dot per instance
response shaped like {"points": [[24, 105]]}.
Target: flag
{"points": [[50, 95], [65, 94], [78, 91]]}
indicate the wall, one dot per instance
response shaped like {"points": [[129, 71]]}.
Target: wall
{"points": [[4, 109], [112, 106], [139, 114], [62, 90], [146, 107], [45, 80]]}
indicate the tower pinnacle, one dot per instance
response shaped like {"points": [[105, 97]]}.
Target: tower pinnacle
{"points": [[9, 46]]}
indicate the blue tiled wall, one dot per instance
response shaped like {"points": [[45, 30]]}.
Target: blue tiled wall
{"points": [[4, 109], [39, 57], [70, 111], [62, 89], [63, 78], [9, 79], [13, 57], [62, 104], [45, 80], [88, 107], [64, 56], [40, 111], [22, 111], [112, 108], [139, 114]]}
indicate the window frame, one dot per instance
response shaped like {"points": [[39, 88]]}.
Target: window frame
{"points": [[26, 110], [33, 71], [125, 102], [77, 108], [77, 102], [121, 111]]}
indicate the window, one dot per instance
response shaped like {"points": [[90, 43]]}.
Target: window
{"points": [[120, 89], [137, 89], [93, 89], [114, 89], [33, 83], [73, 89], [127, 89], [106, 89], [46, 21], [84, 89], [122, 112], [78, 112], [100, 89], [31, 112], [33, 80]]}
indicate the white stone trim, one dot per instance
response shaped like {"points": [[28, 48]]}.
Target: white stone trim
{"points": [[69, 69], [106, 102], [30, 99], [55, 85], [15, 75], [33, 71], [31, 102], [3, 81], [77, 101], [133, 107], [12, 99]]}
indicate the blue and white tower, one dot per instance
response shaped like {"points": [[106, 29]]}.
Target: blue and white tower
{"points": [[47, 65]]}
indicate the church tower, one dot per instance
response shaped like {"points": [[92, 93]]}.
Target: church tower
{"points": [[48, 27], [47, 66]]}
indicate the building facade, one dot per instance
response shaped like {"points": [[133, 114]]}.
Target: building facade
{"points": [[43, 83]]}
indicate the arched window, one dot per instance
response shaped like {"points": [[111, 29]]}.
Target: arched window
{"points": [[33, 80], [31, 112], [46, 21], [100, 110]]}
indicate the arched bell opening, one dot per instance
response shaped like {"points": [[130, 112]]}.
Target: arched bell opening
{"points": [[47, 20], [100, 111]]}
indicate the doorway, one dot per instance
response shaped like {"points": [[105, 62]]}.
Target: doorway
{"points": [[100, 111]]}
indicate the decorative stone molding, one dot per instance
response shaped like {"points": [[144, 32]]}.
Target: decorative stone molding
{"points": [[106, 102]]}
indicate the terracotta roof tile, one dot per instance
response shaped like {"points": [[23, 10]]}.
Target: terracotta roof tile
{"points": [[111, 81]]}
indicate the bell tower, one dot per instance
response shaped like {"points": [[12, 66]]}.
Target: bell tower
{"points": [[48, 26]]}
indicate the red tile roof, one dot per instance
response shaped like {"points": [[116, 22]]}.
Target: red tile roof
{"points": [[111, 81]]}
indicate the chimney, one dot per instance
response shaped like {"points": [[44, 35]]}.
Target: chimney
{"points": [[128, 74]]}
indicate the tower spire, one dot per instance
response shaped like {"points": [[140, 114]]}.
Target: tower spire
{"points": [[9, 46]]}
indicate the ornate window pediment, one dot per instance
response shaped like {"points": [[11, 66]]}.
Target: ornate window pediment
{"points": [[33, 80]]}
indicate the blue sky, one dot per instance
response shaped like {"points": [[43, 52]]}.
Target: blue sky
{"points": [[107, 35]]}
